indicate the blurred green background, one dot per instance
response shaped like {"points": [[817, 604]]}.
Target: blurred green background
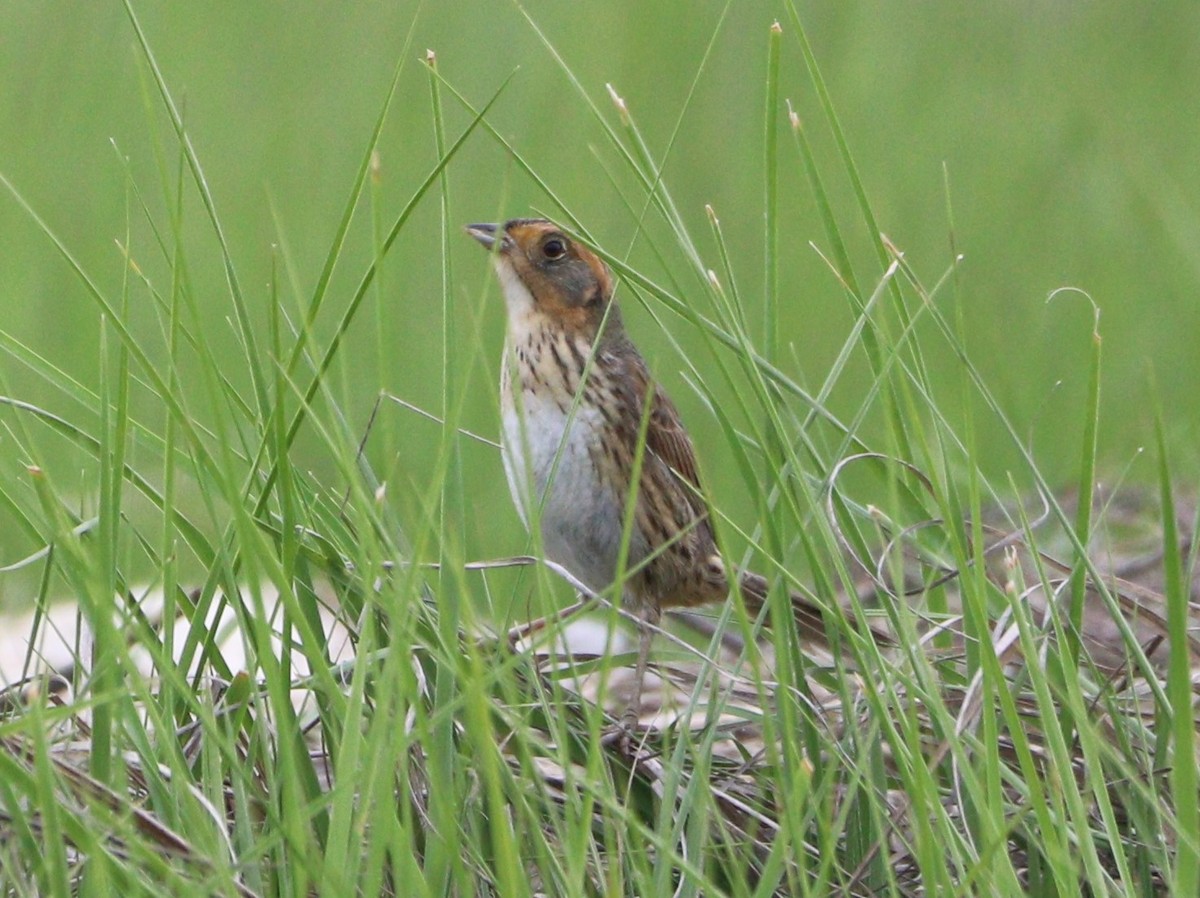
{"points": [[1067, 134]]}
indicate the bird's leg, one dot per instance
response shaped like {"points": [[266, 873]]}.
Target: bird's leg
{"points": [[646, 636], [647, 622]]}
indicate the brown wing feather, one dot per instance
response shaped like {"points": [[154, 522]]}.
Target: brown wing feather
{"points": [[666, 436], [668, 439]]}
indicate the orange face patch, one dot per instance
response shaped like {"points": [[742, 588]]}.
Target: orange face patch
{"points": [[566, 279]]}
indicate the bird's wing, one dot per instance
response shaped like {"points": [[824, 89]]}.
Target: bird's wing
{"points": [[667, 438]]}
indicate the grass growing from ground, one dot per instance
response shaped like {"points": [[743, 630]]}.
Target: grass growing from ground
{"points": [[344, 713]]}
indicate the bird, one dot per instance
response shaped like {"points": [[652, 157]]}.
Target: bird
{"points": [[582, 417]]}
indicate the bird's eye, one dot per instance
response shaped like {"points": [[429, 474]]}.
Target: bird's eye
{"points": [[554, 249]]}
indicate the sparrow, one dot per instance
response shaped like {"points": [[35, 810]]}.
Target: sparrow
{"points": [[584, 424]]}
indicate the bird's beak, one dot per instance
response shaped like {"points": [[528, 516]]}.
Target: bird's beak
{"points": [[486, 235]]}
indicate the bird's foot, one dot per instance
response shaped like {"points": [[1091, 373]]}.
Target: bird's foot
{"points": [[627, 737]]}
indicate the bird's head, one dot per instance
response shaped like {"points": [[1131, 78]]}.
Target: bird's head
{"points": [[546, 273]]}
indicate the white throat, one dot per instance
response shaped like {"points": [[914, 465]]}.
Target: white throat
{"points": [[522, 307]]}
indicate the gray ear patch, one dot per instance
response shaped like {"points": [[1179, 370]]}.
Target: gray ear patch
{"points": [[579, 283]]}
